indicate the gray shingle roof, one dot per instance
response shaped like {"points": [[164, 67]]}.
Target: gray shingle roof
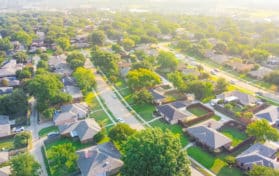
{"points": [[244, 98], [98, 160], [84, 129], [156, 95], [271, 114], [209, 136], [258, 154], [171, 112]]}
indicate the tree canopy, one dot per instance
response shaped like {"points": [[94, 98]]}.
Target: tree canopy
{"points": [[258, 170], [120, 133], [262, 130], [142, 78], [167, 61], [154, 152], [76, 59], [98, 38], [85, 79], [24, 165]]}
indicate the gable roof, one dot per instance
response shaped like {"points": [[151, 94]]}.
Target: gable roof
{"points": [[244, 98], [71, 111], [271, 114], [84, 129], [259, 154], [209, 136], [156, 95], [99, 159], [171, 112]]}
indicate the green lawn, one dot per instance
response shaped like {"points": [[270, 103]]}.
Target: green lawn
{"points": [[198, 111], [176, 129], [215, 117], [145, 111], [43, 132], [76, 144], [7, 143], [213, 163], [234, 134]]}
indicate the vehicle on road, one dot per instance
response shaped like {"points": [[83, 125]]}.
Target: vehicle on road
{"points": [[114, 96], [120, 120], [18, 129], [213, 72], [232, 81]]}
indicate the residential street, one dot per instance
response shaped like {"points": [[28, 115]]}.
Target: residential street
{"points": [[36, 142], [229, 77]]}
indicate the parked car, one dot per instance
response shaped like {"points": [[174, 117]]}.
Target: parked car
{"points": [[120, 120], [52, 134], [232, 81], [213, 72], [18, 129]]}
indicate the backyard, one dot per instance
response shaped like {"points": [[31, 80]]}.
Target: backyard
{"points": [[198, 111], [176, 129], [213, 163], [234, 134], [7, 144]]}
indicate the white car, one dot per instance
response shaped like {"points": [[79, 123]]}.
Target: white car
{"points": [[120, 120], [18, 129]]}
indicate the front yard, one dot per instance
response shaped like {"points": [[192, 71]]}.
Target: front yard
{"points": [[43, 132], [214, 163]]}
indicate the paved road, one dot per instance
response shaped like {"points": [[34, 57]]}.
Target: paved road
{"points": [[36, 142], [110, 99], [229, 77]]}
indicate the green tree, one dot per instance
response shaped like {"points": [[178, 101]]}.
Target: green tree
{"points": [[221, 85], [128, 43], [259, 55], [167, 61], [85, 79], [119, 133], [201, 89], [177, 80], [47, 89], [24, 165], [23, 38], [154, 152], [220, 48], [230, 160], [76, 59], [21, 139], [5, 44], [98, 38], [262, 130], [63, 42], [258, 170], [273, 78], [62, 159], [142, 96], [142, 78], [21, 57]]}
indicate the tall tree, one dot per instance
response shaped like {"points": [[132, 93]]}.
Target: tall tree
{"points": [[262, 130], [259, 170], [142, 78], [120, 133], [98, 38], [24, 165], [76, 59], [167, 61], [221, 85], [85, 79], [154, 152]]}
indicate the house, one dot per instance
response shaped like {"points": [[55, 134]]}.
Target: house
{"points": [[124, 68], [158, 97], [217, 58], [9, 68], [75, 92], [68, 81], [240, 66], [11, 81], [85, 129], [71, 113], [259, 154], [209, 137], [99, 160], [6, 90], [5, 126], [260, 73], [272, 62], [174, 112], [271, 114], [243, 98], [59, 65]]}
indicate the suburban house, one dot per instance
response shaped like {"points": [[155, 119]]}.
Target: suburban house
{"points": [[242, 98], [239, 66], [272, 62], [70, 113], [271, 114], [11, 81], [59, 65], [217, 58], [9, 68], [260, 73], [210, 137], [85, 129], [75, 92], [174, 112], [259, 154], [5, 126], [158, 97], [6, 90], [99, 160], [124, 68]]}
